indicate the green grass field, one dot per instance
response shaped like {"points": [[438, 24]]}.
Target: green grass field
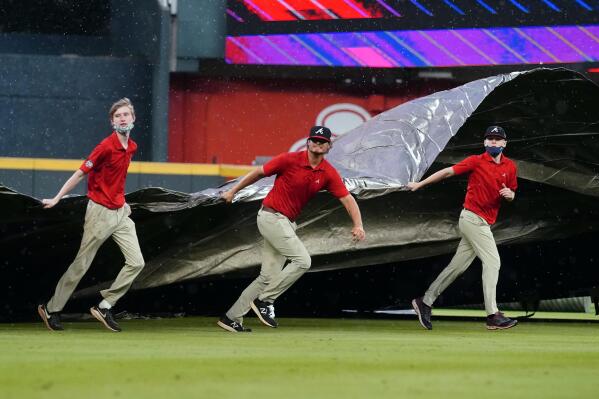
{"points": [[304, 358]]}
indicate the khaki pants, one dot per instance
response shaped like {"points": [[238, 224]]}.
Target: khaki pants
{"points": [[280, 244], [101, 223], [477, 240]]}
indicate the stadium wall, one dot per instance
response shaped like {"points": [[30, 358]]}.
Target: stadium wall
{"points": [[217, 120], [56, 89]]}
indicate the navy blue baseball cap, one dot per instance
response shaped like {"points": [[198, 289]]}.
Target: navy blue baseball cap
{"points": [[320, 133], [495, 131]]}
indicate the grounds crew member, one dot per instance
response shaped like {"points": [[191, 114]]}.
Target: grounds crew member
{"points": [[107, 215], [492, 179], [299, 176]]}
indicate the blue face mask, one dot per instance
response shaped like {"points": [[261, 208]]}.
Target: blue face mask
{"points": [[123, 129], [494, 151]]}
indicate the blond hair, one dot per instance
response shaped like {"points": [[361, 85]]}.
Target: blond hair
{"points": [[123, 102]]}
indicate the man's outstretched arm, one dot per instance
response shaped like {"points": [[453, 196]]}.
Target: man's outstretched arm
{"points": [[66, 188], [248, 179], [352, 208], [434, 178]]}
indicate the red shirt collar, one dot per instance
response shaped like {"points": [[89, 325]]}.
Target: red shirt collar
{"points": [[489, 158], [306, 163], [116, 143]]}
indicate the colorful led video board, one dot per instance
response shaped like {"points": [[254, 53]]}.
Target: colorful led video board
{"points": [[411, 33]]}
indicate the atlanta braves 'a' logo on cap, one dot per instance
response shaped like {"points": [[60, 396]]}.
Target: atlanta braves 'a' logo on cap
{"points": [[321, 133], [495, 131]]}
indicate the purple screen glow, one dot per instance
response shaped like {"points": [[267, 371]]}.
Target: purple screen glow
{"points": [[420, 48]]}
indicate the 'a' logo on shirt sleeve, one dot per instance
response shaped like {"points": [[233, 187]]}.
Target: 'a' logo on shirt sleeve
{"points": [[89, 164]]}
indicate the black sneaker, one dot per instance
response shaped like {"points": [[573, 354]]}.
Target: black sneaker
{"points": [[265, 312], [424, 313], [52, 320], [498, 321], [105, 317], [227, 324]]}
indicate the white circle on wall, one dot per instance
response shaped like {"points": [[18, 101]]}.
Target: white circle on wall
{"points": [[340, 118]]}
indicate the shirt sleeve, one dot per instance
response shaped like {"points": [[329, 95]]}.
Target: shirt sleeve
{"points": [[335, 185], [465, 166], [513, 182], [133, 145], [276, 165], [94, 159]]}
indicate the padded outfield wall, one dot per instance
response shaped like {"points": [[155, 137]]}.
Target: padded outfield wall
{"points": [[43, 177], [60, 73]]}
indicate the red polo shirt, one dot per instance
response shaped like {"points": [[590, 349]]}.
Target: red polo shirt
{"points": [[297, 182], [486, 179], [106, 168]]}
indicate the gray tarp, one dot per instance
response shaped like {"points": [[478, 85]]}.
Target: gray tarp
{"points": [[541, 110], [553, 134]]}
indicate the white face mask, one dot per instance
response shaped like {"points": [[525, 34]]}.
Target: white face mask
{"points": [[123, 129]]}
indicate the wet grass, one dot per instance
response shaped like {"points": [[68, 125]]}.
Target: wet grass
{"points": [[304, 358]]}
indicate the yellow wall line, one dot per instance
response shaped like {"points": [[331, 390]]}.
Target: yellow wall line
{"points": [[159, 168]]}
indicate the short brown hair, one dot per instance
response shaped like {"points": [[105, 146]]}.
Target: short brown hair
{"points": [[123, 102]]}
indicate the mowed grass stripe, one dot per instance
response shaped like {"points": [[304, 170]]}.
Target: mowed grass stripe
{"points": [[304, 358]]}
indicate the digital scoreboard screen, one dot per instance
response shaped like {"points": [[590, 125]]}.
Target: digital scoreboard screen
{"points": [[411, 33]]}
